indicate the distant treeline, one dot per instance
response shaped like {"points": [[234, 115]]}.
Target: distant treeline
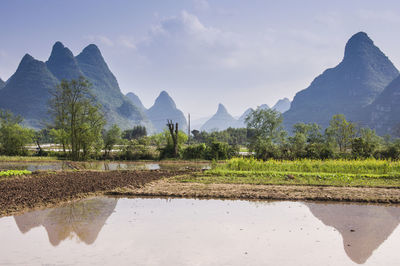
{"points": [[78, 127]]}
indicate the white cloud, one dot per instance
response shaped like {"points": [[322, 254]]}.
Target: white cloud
{"points": [[201, 4], [185, 38], [380, 15], [190, 55], [127, 42], [3, 53], [124, 41], [100, 39], [332, 20]]}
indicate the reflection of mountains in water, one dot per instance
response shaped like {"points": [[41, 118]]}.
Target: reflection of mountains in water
{"points": [[363, 227], [84, 218]]}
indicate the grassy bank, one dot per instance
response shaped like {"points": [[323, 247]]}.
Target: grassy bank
{"points": [[363, 173]]}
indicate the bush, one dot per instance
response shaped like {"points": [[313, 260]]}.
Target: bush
{"points": [[13, 139], [361, 148], [319, 151], [391, 152], [220, 151], [265, 150], [194, 152], [138, 150], [167, 151]]}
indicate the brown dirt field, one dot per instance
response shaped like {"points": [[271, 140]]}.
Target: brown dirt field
{"points": [[46, 189], [167, 188]]}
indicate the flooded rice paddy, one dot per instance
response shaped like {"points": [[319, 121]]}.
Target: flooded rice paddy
{"points": [[153, 231], [99, 165]]}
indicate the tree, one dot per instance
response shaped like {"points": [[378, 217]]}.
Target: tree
{"points": [[341, 131], [110, 138], [60, 136], [298, 145], [267, 131], [266, 124], [139, 149], [169, 150], [77, 118], [365, 145], [305, 141], [312, 132], [41, 136], [13, 137], [136, 133]]}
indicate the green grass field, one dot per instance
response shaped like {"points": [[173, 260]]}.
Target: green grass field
{"points": [[27, 159], [369, 173]]}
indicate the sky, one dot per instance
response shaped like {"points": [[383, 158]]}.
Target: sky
{"points": [[242, 53]]}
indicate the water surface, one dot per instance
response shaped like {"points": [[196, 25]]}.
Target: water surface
{"points": [[148, 231], [100, 165]]}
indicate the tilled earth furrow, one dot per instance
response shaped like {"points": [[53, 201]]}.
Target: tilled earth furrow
{"points": [[44, 188]]}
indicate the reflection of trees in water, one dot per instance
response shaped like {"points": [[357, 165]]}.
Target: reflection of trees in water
{"points": [[363, 227], [84, 218]]}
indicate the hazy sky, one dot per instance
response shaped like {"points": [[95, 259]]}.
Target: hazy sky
{"points": [[242, 53]]}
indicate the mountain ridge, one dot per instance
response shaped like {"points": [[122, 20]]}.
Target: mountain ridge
{"points": [[136, 101], [221, 120], [383, 114], [345, 89], [30, 85], [27, 92], [163, 109], [282, 105]]}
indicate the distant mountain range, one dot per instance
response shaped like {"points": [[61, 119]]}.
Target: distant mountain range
{"points": [[349, 88], [282, 105], [2, 84], [164, 109], [27, 92], [136, 101], [364, 86], [222, 120]]}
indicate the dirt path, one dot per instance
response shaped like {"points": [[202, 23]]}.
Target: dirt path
{"points": [[46, 189], [168, 188]]}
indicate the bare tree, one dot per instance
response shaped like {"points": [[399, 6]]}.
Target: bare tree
{"points": [[173, 130]]}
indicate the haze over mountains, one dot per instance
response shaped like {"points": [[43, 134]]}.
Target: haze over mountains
{"points": [[222, 119], [136, 101], [164, 109], [282, 105], [364, 86]]}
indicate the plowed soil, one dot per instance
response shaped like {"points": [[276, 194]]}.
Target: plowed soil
{"points": [[46, 189], [169, 188]]}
